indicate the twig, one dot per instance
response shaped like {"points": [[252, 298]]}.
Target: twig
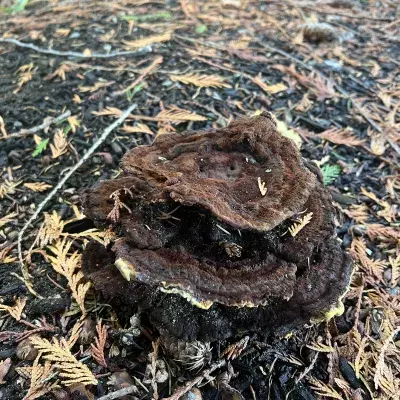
{"points": [[180, 392], [73, 53], [119, 393], [46, 123], [96, 144], [146, 71]]}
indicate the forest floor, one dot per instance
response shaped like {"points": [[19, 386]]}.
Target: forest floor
{"points": [[329, 72]]}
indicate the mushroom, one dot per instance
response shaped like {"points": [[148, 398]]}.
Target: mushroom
{"points": [[219, 231]]}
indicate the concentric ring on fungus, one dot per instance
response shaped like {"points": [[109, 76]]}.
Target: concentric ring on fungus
{"points": [[203, 222]]}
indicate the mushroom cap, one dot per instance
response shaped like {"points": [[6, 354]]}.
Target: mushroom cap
{"points": [[204, 217], [219, 170]]}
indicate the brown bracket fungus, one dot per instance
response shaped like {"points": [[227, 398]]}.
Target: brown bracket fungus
{"points": [[218, 232]]}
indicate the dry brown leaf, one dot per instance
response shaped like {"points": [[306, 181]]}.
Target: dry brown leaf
{"points": [[145, 41], [74, 122], [378, 143], [5, 366], [37, 186], [201, 80]]}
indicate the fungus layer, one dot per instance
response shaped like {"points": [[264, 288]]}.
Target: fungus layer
{"points": [[211, 233]]}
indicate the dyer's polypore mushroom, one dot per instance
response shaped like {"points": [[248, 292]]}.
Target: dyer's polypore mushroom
{"points": [[217, 232]]}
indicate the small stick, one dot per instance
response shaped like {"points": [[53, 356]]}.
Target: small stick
{"points": [[146, 71], [119, 393], [73, 53], [96, 144], [180, 392], [38, 128]]}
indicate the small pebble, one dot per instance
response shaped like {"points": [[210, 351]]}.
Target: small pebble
{"points": [[116, 148], [12, 235]]}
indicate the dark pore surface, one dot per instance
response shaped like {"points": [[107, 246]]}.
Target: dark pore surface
{"points": [[203, 245]]}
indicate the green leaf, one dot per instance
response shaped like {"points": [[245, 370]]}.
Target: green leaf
{"points": [[163, 15], [40, 147], [330, 173], [201, 29]]}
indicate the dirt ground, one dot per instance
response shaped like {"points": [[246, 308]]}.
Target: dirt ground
{"points": [[329, 72]]}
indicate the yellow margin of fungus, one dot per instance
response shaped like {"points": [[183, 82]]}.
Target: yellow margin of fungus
{"points": [[126, 269], [172, 289], [337, 309]]}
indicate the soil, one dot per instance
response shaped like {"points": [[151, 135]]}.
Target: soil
{"points": [[253, 46]]}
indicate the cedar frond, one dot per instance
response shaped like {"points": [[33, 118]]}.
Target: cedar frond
{"points": [[383, 233], [95, 87], [5, 257], [16, 310], [59, 145], [109, 111], [40, 383], [382, 369], [359, 251], [37, 186], [358, 212], [395, 264], [74, 335], [145, 41], [341, 136], [298, 226], [201, 80], [323, 389], [8, 187], [69, 267], [8, 218], [104, 237], [322, 348], [272, 89], [234, 350], [100, 342], [138, 128], [25, 74], [177, 115], [114, 214], [51, 229], [71, 371]]}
